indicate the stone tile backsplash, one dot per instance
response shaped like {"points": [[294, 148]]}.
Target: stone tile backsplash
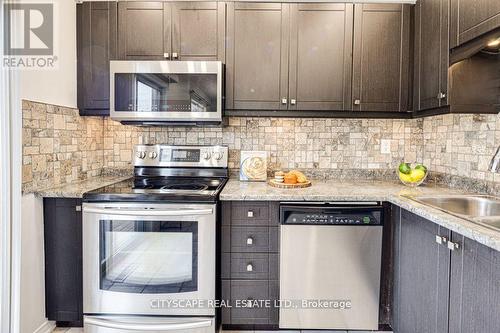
{"points": [[60, 146], [461, 145], [291, 143]]}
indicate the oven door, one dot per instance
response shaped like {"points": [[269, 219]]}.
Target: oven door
{"points": [[156, 259], [166, 91]]}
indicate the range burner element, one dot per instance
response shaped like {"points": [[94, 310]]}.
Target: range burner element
{"points": [[184, 187]]}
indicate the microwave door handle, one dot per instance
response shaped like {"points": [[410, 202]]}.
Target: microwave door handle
{"points": [[130, 326], [147, 212]]}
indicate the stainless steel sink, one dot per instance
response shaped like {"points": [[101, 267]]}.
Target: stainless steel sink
{"points": [[481, 209]]}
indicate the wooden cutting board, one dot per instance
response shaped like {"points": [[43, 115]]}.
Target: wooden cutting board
{"points": [[274, 183]]}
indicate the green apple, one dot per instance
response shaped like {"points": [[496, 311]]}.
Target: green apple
{"points": [[421, 167], [405, 168]]}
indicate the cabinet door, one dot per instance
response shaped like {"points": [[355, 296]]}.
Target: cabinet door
{"points": [[63, 260], [143, 30], [431, 54], [381, 57], [96, 46], [475, 288], [257, 56], [320, 56], [472, 18], [198, 30], [422, 276]]}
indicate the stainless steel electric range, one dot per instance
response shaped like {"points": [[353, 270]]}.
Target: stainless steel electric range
{"points": [[149, 243]]}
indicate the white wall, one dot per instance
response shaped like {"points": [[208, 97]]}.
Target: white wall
{"points": [[57, 86], [32, 301]]}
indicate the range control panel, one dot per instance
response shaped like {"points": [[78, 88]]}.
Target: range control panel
{"points": [[331, 215], [182, 156]]}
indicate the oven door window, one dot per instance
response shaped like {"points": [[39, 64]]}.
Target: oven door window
{"points": [[160, 92], [148, 257]]}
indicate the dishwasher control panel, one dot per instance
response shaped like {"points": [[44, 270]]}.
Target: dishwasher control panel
{"points": [[324, 215]]}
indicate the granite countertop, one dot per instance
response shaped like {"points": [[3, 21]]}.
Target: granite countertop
{"points": [[77, 189], [393, 192]]}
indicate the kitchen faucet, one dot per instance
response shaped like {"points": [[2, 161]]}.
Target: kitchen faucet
{"points": [[495, 162]]}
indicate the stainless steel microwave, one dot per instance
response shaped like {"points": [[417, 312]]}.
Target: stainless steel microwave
{"points": [[166, 92]]}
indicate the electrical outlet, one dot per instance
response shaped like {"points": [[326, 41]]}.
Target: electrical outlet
{"points": [[385, 146]]}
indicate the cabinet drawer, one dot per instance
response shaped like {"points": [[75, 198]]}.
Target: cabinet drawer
{"points": [[244, 213], [249, 290], [263, 266], [250, 266], [249, 239]]}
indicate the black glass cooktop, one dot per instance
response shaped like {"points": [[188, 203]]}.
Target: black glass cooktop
{"points": [[171, 189]]}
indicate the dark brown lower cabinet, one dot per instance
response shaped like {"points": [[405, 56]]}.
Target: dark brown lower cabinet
{"points": [[63, 260], [474, 288], [421, 276], [441, 290], [250, 264]]}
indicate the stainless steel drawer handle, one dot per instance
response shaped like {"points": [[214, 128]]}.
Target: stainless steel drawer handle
{"points": [[441, 95], [166, 55], [249, 302], [453, 246], [174, 55], [250, 213], [284, 101], [131, 326], [249, 268], [293, 101], [249, 241], [357, 102], [441, 239]]}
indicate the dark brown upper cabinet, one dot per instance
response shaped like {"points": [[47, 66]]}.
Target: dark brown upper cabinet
{"points": [[472, 18], [199, 30], [431, 54], [257, 56], [380, 80], [144, 30], [96, 34], [468, 83], [320, 56], [289, 57], [171, 30]]}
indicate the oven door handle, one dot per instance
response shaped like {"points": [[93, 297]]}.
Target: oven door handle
{"points": [[147, 212], [130, 326]]}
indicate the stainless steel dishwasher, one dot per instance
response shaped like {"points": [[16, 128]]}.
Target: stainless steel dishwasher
{"points": [[330, 265]]}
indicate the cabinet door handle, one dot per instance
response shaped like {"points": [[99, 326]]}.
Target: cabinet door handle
{"points": [[441, 240], [249, 241], [284, 101], [293, 101], [250, 213], [174, 55], [249, 268], [441, 95], [166, 55], [357, 102], [453, 246]]}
